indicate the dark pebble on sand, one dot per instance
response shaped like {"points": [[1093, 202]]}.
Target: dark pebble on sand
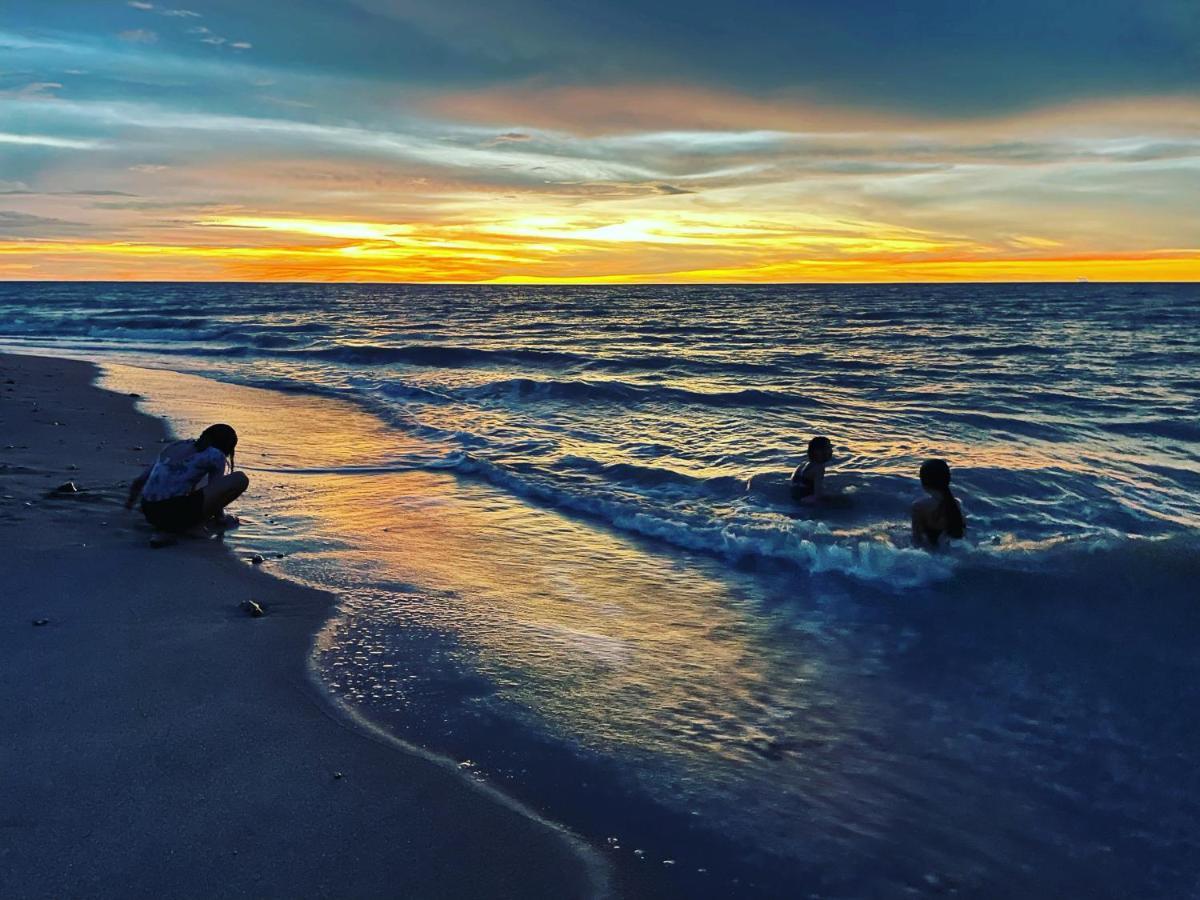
{"points": [[253, 608], [257, 559], [136, 396], [337, 775]]}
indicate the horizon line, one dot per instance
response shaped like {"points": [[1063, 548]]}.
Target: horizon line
{"points": [[608, 284]]}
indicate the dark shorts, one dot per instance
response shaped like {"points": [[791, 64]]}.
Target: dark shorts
{"points": [[176, 513]]}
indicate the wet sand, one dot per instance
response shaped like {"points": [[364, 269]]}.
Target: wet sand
{"points": [[157, 741]]}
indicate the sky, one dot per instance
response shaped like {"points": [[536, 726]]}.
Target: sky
{"points": [[592, 141]]}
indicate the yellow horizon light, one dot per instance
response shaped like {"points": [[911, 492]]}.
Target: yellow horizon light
{"points": [[369, 231], [471, 257]]}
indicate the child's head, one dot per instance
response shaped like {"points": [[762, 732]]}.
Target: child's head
{"points": [[223, 437], [820, 449], [935, 475]]}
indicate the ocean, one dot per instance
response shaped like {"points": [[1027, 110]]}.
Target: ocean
{"points": [[559, 527]]}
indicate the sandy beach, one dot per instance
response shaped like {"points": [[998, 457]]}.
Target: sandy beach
{"points": [[157, 741]]}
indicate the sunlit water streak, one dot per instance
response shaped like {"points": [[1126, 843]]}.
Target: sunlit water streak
{"points": [[558, 525]]}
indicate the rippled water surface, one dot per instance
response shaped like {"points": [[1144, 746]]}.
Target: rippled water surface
{"points": [[558, 524]]}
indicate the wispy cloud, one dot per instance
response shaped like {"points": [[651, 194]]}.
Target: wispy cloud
{"points": [[35, 90], [46, 140], [138, 36], [27, 223]]}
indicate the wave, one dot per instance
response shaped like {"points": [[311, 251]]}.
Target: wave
{"points": [[525, 389], [653, 477], [1173, 429], [805, 544], [194, 336], [458, 356], [436, 355], [663, 363], [294, 341], [991, 350]]}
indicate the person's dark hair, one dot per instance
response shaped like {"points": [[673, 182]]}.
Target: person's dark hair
{"points": [[223, 437], [935, 474], [817, 443]]}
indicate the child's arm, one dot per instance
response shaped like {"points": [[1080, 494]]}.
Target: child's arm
{"points": [[135, 489], [918, 526], [215, 463]]}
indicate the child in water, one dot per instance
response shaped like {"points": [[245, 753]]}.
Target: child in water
{"points": [[808, 481], [939, 515]]}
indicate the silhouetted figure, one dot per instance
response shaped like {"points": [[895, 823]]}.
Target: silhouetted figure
{"points": [[808, 481], [172, 500], [938, 516]]}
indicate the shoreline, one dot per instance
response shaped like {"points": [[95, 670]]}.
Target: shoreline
{"points": [[164, 743]]}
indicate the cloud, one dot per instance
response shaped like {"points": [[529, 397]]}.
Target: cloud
{"points": [[138, 4], [920, 56], [36, 90], [181, 13], [139, 36], [601, 109], [285, 101], [241, 45], [24, 191], [47, 140], [23, 223]]}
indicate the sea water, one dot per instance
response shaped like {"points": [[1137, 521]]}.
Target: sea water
{"points": [[566, 554]]}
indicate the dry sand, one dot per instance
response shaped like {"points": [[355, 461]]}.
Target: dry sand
{"points": [[156, 741]]}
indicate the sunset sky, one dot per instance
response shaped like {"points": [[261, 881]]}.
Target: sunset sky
{"points": [[562, 140]]}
